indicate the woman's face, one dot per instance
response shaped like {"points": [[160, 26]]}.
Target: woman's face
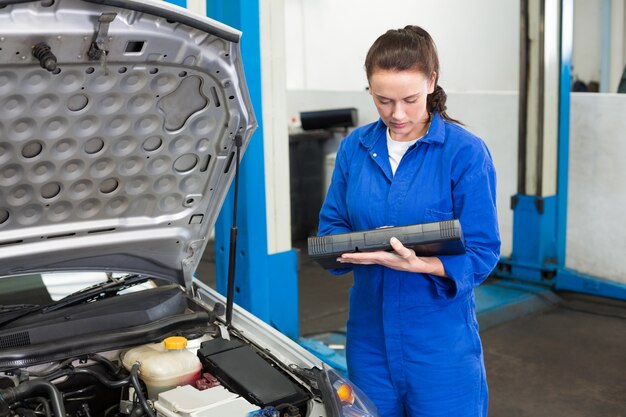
{"points": [[400, 98]]}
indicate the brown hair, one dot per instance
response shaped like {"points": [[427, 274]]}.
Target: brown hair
{"points": [[410, 48]]}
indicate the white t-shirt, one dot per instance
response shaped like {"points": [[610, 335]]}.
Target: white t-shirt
{"points": [[396, 150]]}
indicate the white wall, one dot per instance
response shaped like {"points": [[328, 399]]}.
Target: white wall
{"points": [[478, 41], [275, 135], [586, 49], [327, 40], [596, 224], [587, 52], [197, 6]]}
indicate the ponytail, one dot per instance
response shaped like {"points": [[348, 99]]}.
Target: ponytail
{"points": [[436, 103]]}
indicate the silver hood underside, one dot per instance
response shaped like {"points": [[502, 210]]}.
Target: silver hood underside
{"points": [[119, 156]]}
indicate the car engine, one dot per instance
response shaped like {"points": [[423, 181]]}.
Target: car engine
{"points": [[153, 353]]}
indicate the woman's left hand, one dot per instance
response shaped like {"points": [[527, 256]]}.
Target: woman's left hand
{"points": [[401, 259]]}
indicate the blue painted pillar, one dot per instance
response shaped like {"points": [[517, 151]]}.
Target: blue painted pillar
{"points": [[181, 3], [534, 256], [266, 285], [565, 85]]}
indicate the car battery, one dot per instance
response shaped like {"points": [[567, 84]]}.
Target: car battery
{"points": [[187, 401]]}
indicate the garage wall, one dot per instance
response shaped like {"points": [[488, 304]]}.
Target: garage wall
{"points": [[596, 224], [326, 40], [478, 40], [197, 6], [596, 235], [586, 54], [591, 18]]}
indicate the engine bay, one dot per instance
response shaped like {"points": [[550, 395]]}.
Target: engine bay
{"points": [[96, 365]]}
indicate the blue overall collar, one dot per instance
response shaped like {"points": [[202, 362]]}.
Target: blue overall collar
{"points": [[436, 132]]}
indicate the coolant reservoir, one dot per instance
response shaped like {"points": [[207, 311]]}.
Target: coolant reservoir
{"points": [[164, 365]]}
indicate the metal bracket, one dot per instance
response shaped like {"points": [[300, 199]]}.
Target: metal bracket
{"points": [[99, 48], [539, 204]]}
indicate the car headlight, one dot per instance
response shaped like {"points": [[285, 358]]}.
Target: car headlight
{"points": [[349, 400]]}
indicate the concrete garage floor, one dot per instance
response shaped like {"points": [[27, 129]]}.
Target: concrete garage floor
{"points": [[562, 362], [567, 361]]}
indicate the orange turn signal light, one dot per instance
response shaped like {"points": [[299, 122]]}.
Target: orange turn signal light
{"points": [[345, 394]]}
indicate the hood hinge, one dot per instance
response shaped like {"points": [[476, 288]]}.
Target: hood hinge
{"points": [[99, 48], [188, 264]]}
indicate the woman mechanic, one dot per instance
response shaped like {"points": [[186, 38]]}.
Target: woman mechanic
{"points": [[412, 337]]}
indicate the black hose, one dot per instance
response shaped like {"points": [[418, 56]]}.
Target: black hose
{"points": [[44, 403], [115, 369], [25, 412], [83, 394], [27, 388], [134, 379], [109, 410], [118, 383], [137, 412], [5, 406]]}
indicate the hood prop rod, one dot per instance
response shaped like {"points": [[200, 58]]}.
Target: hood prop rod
{"points": [[232, 260]]}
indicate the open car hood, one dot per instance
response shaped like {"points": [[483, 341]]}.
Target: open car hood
{"points": [[117, 135]]}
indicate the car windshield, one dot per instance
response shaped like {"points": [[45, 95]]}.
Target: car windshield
{"points": [[23, 291]]}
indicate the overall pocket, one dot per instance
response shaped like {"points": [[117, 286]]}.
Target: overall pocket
{"points": [[432, 215], [472, 324]]}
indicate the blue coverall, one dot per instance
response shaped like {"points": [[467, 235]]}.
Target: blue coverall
{"points": [[412, 339]]}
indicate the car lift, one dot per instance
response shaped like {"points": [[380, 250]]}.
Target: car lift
{"points": [[540, 205]]}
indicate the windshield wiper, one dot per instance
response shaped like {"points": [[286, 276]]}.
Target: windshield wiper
{"points": [[96, 292], [13, 312], [15, 307], [87, 295]]}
